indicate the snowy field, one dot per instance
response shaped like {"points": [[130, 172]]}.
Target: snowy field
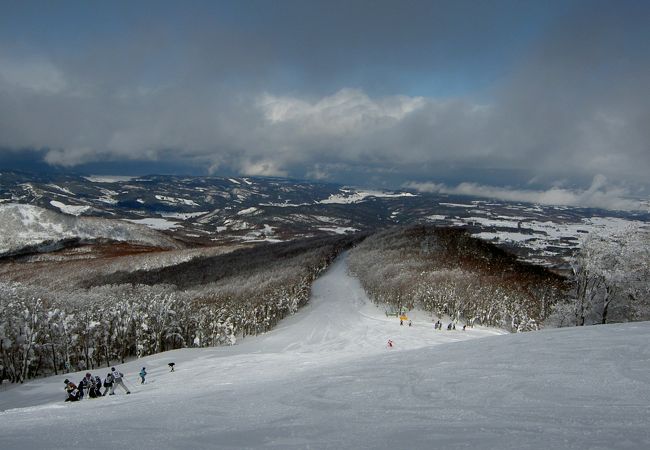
{"points": [[24, 226], [325, 379]]}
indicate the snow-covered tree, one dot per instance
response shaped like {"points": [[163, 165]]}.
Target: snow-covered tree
{"points": [[85, 320], [611, 276], [451, 274], [611, 279]]}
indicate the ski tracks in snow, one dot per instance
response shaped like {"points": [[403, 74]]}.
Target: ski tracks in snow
{"points": [[340, 319]]}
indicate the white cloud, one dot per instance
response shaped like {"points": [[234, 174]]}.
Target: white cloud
{"points": [[262, 168], [346, 111], [599, 195], [36, 75], [223, 129], [319, 172], [70, 157], [350, 127], [566, 102]]}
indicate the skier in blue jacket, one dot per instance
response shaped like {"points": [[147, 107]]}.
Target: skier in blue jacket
{"points": [[143, 373]]}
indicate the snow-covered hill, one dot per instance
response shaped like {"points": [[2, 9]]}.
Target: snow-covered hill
{"points": [[30, 228], [325, 379]]}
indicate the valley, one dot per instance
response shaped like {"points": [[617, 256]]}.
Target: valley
{"points": [[213, 211]]}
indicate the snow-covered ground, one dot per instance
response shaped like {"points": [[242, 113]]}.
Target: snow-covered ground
{"points": [[339, 230], [546, 238], [108, 178], [24, 226], [73, 210], [324, 378], [156, 223], [347, 196]]}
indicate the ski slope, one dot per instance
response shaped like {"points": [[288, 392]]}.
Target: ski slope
{"points": [[324, 378]]}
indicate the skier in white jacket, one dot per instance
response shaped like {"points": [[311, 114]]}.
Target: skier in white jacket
{"points": [[117, 381]]}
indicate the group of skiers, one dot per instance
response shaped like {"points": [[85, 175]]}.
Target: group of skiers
{"points": [[436, 326], [451, 326], [91, 387]]}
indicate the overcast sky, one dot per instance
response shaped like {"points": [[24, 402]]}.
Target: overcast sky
{"points": [[527, 96]]}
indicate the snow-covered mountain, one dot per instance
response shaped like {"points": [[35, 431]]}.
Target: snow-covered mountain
{"points": [[29, 228], [214, 210], [324, 378]]}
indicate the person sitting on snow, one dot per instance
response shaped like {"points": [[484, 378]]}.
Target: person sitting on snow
{"points": [[90, 386], [72, 391], [85, 385]]}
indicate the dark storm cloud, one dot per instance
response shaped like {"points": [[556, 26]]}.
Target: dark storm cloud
{"points": [[581, 96], [551, 92]]}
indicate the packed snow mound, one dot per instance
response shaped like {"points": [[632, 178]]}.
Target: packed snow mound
{"points": [[29, 228]]}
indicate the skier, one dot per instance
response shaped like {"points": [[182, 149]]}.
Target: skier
{"points": [[94, 389], [401, 322], [143, 373], [390, 343], [86, 386], [171, 366], [410, 323], [80, 387], [90, 384], [72, 391], [449, 327], [108, 384], [97, 386], [117, 380]]}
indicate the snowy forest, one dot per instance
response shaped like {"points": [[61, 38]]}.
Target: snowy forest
{"points": [[610, 280], [449, 273], [61, 314], [206, 301]]}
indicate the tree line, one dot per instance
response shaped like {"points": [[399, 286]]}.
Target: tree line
{"points": [[449, 273]]}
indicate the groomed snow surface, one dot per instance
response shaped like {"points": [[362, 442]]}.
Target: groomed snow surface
{"points": [[325, 379]]}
